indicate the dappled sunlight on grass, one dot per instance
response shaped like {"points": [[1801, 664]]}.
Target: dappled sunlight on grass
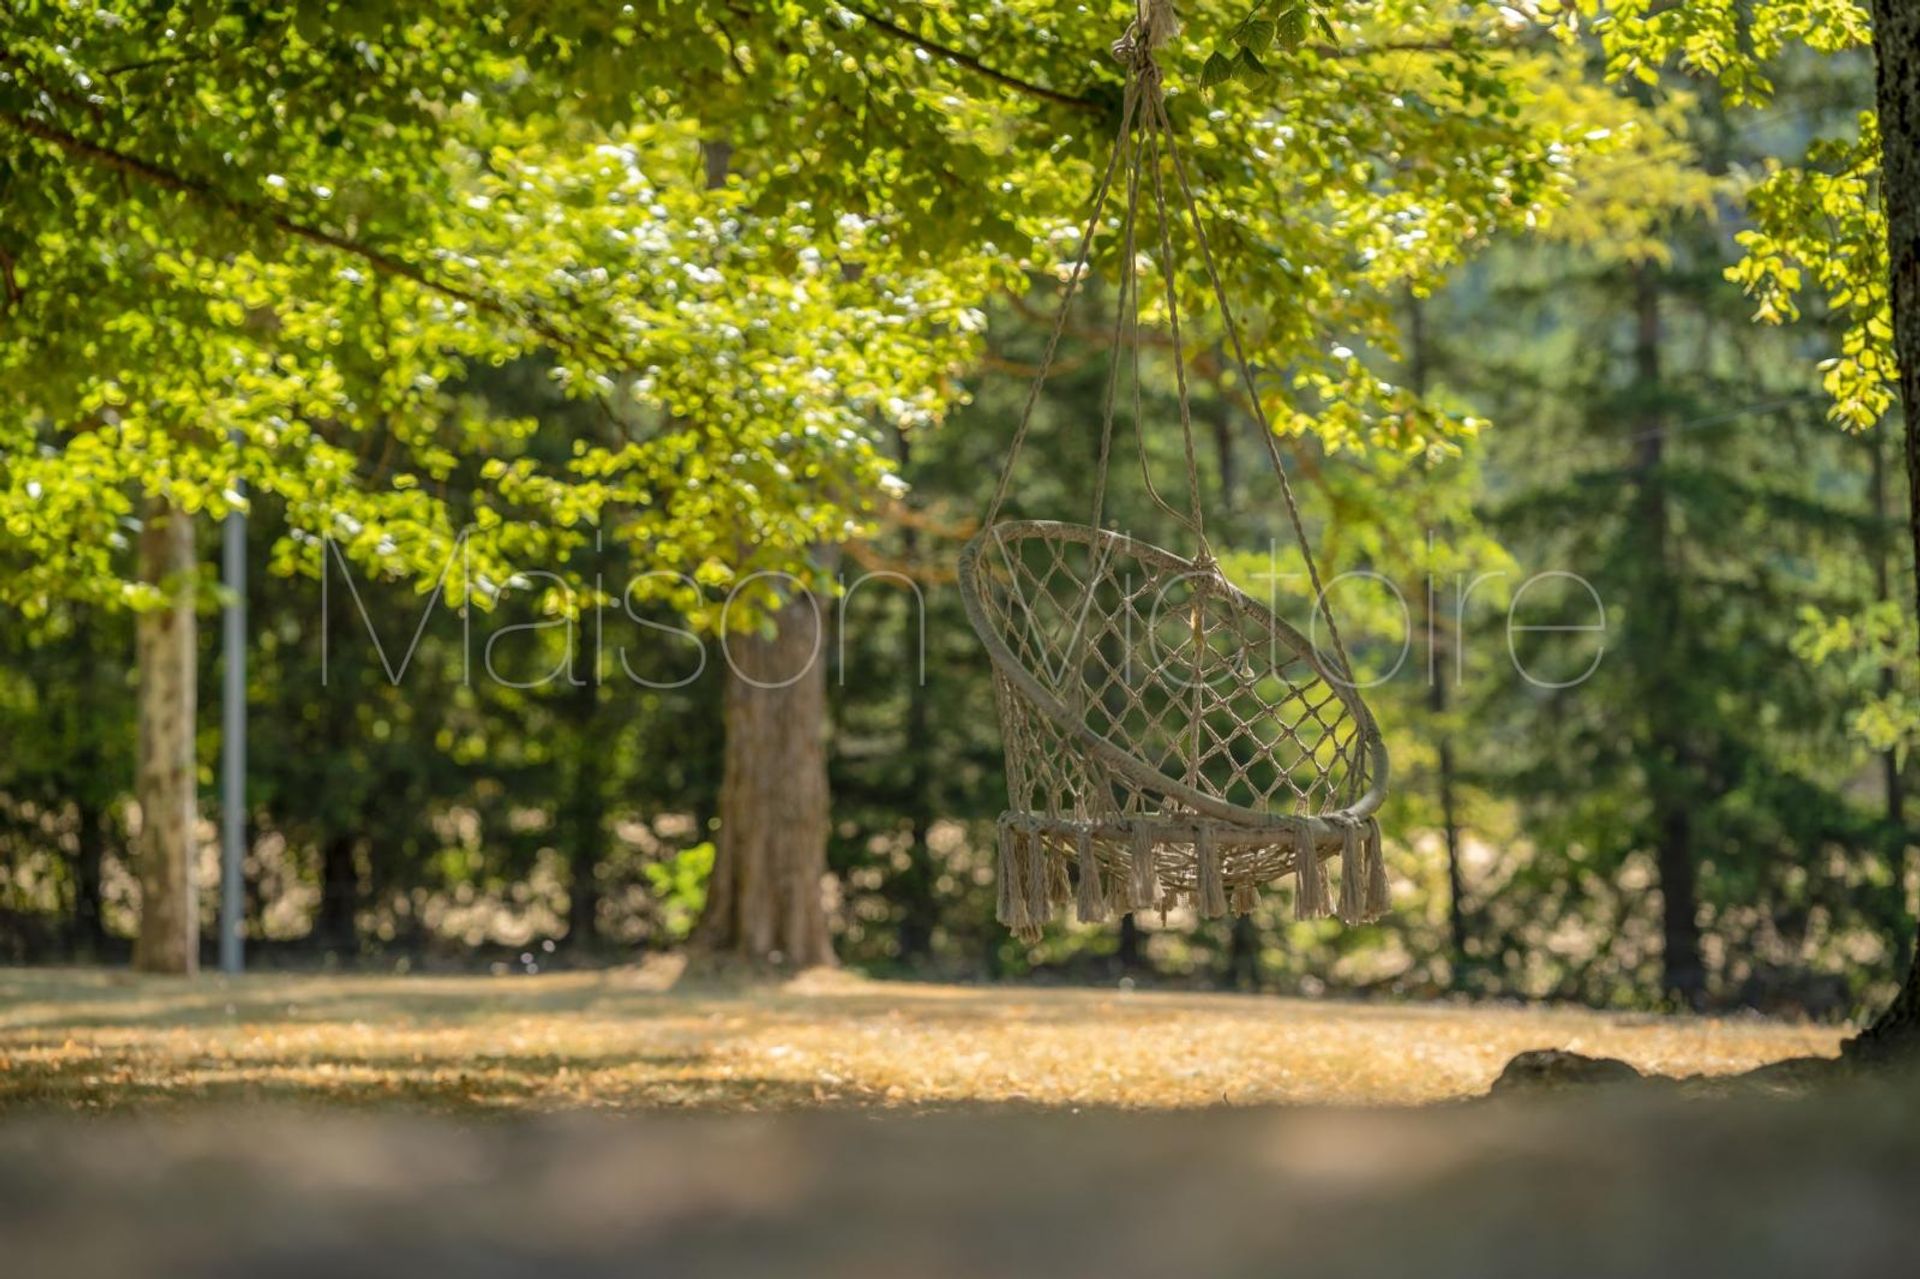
{"points": [[634, 1038]]}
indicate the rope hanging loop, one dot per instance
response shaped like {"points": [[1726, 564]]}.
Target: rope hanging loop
{"points": [[1154, 25]]}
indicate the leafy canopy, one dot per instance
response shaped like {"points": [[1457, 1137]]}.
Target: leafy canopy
{"points": [[266, 243]]}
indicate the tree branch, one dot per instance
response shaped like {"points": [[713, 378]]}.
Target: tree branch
{"points": [[379, 259], [961, 58]]}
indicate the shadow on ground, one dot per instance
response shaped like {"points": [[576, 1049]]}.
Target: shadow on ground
{"points": [[1601, 1184]]}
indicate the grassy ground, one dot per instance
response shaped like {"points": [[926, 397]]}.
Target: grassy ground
{"points": [[635, 1039], [1088, 1139]]}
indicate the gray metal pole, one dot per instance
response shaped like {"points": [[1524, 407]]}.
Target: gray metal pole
{"points": [[233, 743]]}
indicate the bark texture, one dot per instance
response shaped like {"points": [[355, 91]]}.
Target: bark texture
{"points": [[169, 940], [764, 902], [1896, 46]]}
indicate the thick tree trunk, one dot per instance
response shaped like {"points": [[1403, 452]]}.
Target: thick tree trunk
{"points": [[1899, 845], [1896, 46], [764, 901], [169, 940]]}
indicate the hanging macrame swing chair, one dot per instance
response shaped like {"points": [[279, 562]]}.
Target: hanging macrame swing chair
{"points": [[1168, 738]]}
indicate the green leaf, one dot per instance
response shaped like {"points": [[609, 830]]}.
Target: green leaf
{"points": [[1217, 70], [1292, 27]]}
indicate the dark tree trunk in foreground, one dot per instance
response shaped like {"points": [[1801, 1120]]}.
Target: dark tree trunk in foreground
{"points": [[764, 901], [1896, 47], [169, 940]]}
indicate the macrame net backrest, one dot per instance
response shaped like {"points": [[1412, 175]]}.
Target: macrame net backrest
{"points": [[1168, 738]]}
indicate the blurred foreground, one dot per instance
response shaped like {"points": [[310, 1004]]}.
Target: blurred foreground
{"points": [[1597, 1184]]}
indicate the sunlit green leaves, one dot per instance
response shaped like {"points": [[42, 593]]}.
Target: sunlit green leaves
{"points": [[271, 249]]}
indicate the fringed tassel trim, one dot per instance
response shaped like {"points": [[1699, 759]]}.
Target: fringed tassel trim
{"points": [[1059, 883], [1353, 876], [1211, 888], [1091, 898], [1119, 894], [1310, 892], [1143, 882], [1379, 892], [1007, 903], [1034, 886]]}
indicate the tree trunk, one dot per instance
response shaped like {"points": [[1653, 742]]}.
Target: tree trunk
{"points": [[1656, 616], [90, 722], [1417, 368], [1899, 845], [764, 900], [913, 890], [1896, 46], [169, 940], [586, 816], [89, 916], [337, 925], [1449, 825], [1243, 956]]}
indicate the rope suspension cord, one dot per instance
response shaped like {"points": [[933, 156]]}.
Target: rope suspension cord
{"points": [[1127, 113], [1173, 323], [1162, 755], [1154, 23], [1321, 603], [1121, 333]]}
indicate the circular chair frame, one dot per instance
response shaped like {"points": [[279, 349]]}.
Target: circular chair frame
{"points": [[1138, 836]]}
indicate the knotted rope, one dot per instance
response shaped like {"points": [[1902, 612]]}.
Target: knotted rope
{"points": [[1154, 24]]}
